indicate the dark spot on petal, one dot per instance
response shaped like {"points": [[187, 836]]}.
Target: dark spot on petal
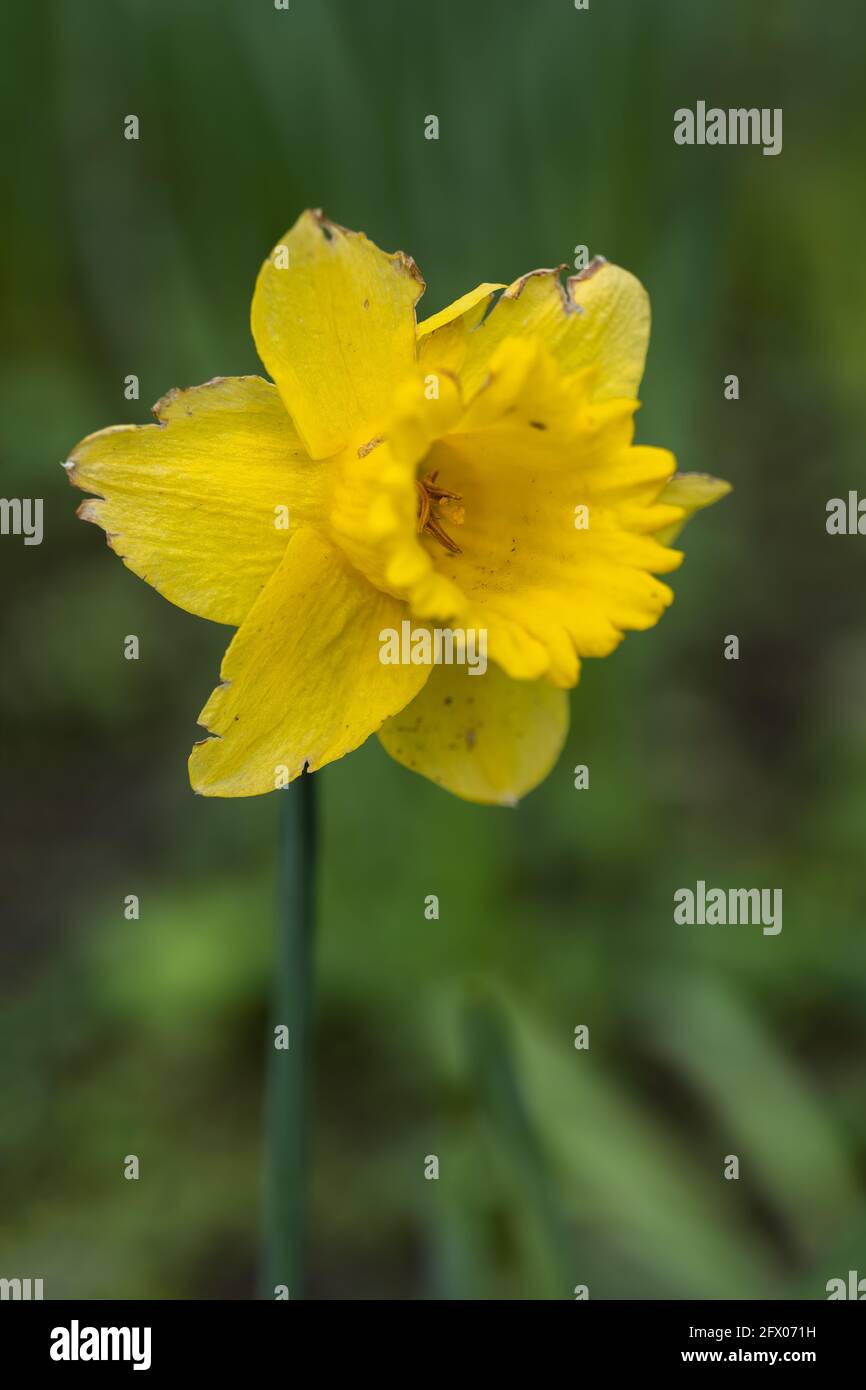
{"points": [[537, 425]]}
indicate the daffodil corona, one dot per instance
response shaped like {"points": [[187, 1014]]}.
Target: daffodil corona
{"points": [[430, 473]]}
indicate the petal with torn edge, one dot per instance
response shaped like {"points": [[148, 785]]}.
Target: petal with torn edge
{"points": [[333, 320], [600, 319], [196, 504]]}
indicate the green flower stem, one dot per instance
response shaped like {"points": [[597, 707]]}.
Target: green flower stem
{"points": [[288, 1070]]}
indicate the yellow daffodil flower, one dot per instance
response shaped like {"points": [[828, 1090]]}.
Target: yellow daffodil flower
{"points": [[473, 472]]}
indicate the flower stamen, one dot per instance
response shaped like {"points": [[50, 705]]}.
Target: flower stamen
{"points": [[428, 519]]}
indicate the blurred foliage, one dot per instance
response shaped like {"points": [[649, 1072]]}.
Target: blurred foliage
{"points": [[454, 1037]]}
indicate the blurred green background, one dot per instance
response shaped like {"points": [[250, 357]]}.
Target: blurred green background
{"points": [[454, 1038]]}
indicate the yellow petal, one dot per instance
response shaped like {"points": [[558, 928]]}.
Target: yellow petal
{"points": [[599, 320], [442, 338], [196, 504], [692, 492], [333, 319], [486, 738], [302, 682], [469, 308]]}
